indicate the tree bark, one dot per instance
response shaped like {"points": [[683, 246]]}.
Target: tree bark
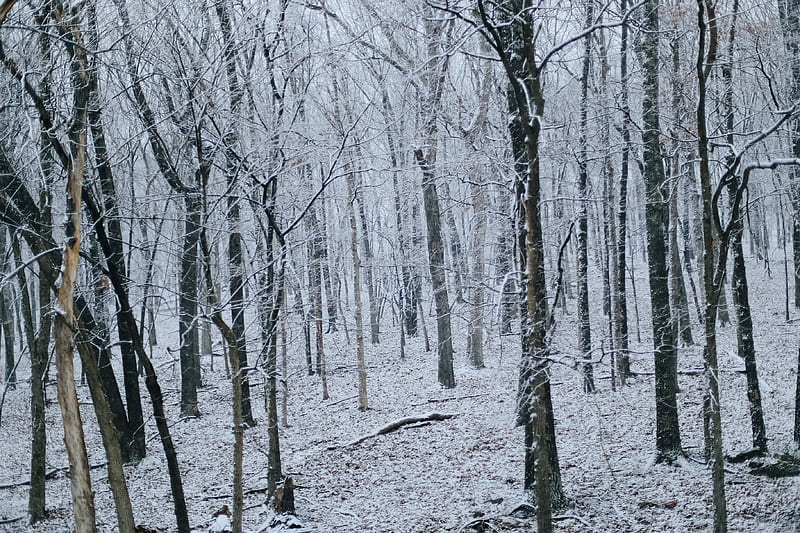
{"points": [[187, 322], [232, 341], [514, 41]]}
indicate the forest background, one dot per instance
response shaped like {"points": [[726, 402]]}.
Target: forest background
{"points": [[314, 222]]}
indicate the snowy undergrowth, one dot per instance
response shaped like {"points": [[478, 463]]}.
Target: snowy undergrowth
{"points": [[439, 476]]}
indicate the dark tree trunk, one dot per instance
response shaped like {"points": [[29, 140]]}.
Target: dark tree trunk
{"points": [[713, 274], [7, 318], [40, 344], [133, 446], [437, 267], [741, 298], [582, 263], [668, 440], [39, 349], [621, 308], [187, 325], [514, 41]]}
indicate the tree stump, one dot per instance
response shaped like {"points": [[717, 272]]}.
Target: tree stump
{"points": [[283, 499]]}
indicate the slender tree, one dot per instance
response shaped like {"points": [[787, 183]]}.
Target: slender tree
{"points": [[706, 56], [582, 263], [741, 298], [620, 246], [64, 325]]}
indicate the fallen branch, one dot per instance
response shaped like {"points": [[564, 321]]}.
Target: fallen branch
{"points": [[246, 493], [49, 475], [394, 426], [451, 399], [12, 520]]}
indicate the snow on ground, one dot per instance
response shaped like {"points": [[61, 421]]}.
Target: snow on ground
{"points": [[440, 476]]}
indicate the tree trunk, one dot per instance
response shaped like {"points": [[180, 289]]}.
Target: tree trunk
{"points": [[40, 344], [408, 296], [269, 314], [741, 298], [514, 41], [619, 248], [232, 342], [39, 349], [712, 279], [668, 440], [315, 288], [374, 311], [111, 440], [436, 258], [325, 261], [65, 321], [456, 254], [477, 298], [7, 318], [582, 263], [187, 324], [679, 300], [362, 367]]}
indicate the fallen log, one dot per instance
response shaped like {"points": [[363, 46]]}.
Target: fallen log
{"points": [[394, 426]]}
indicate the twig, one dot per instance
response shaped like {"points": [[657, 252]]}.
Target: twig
{"points": [[342, 401]]}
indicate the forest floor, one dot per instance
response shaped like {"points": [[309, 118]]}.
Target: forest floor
{"points": [[443, 475]]}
